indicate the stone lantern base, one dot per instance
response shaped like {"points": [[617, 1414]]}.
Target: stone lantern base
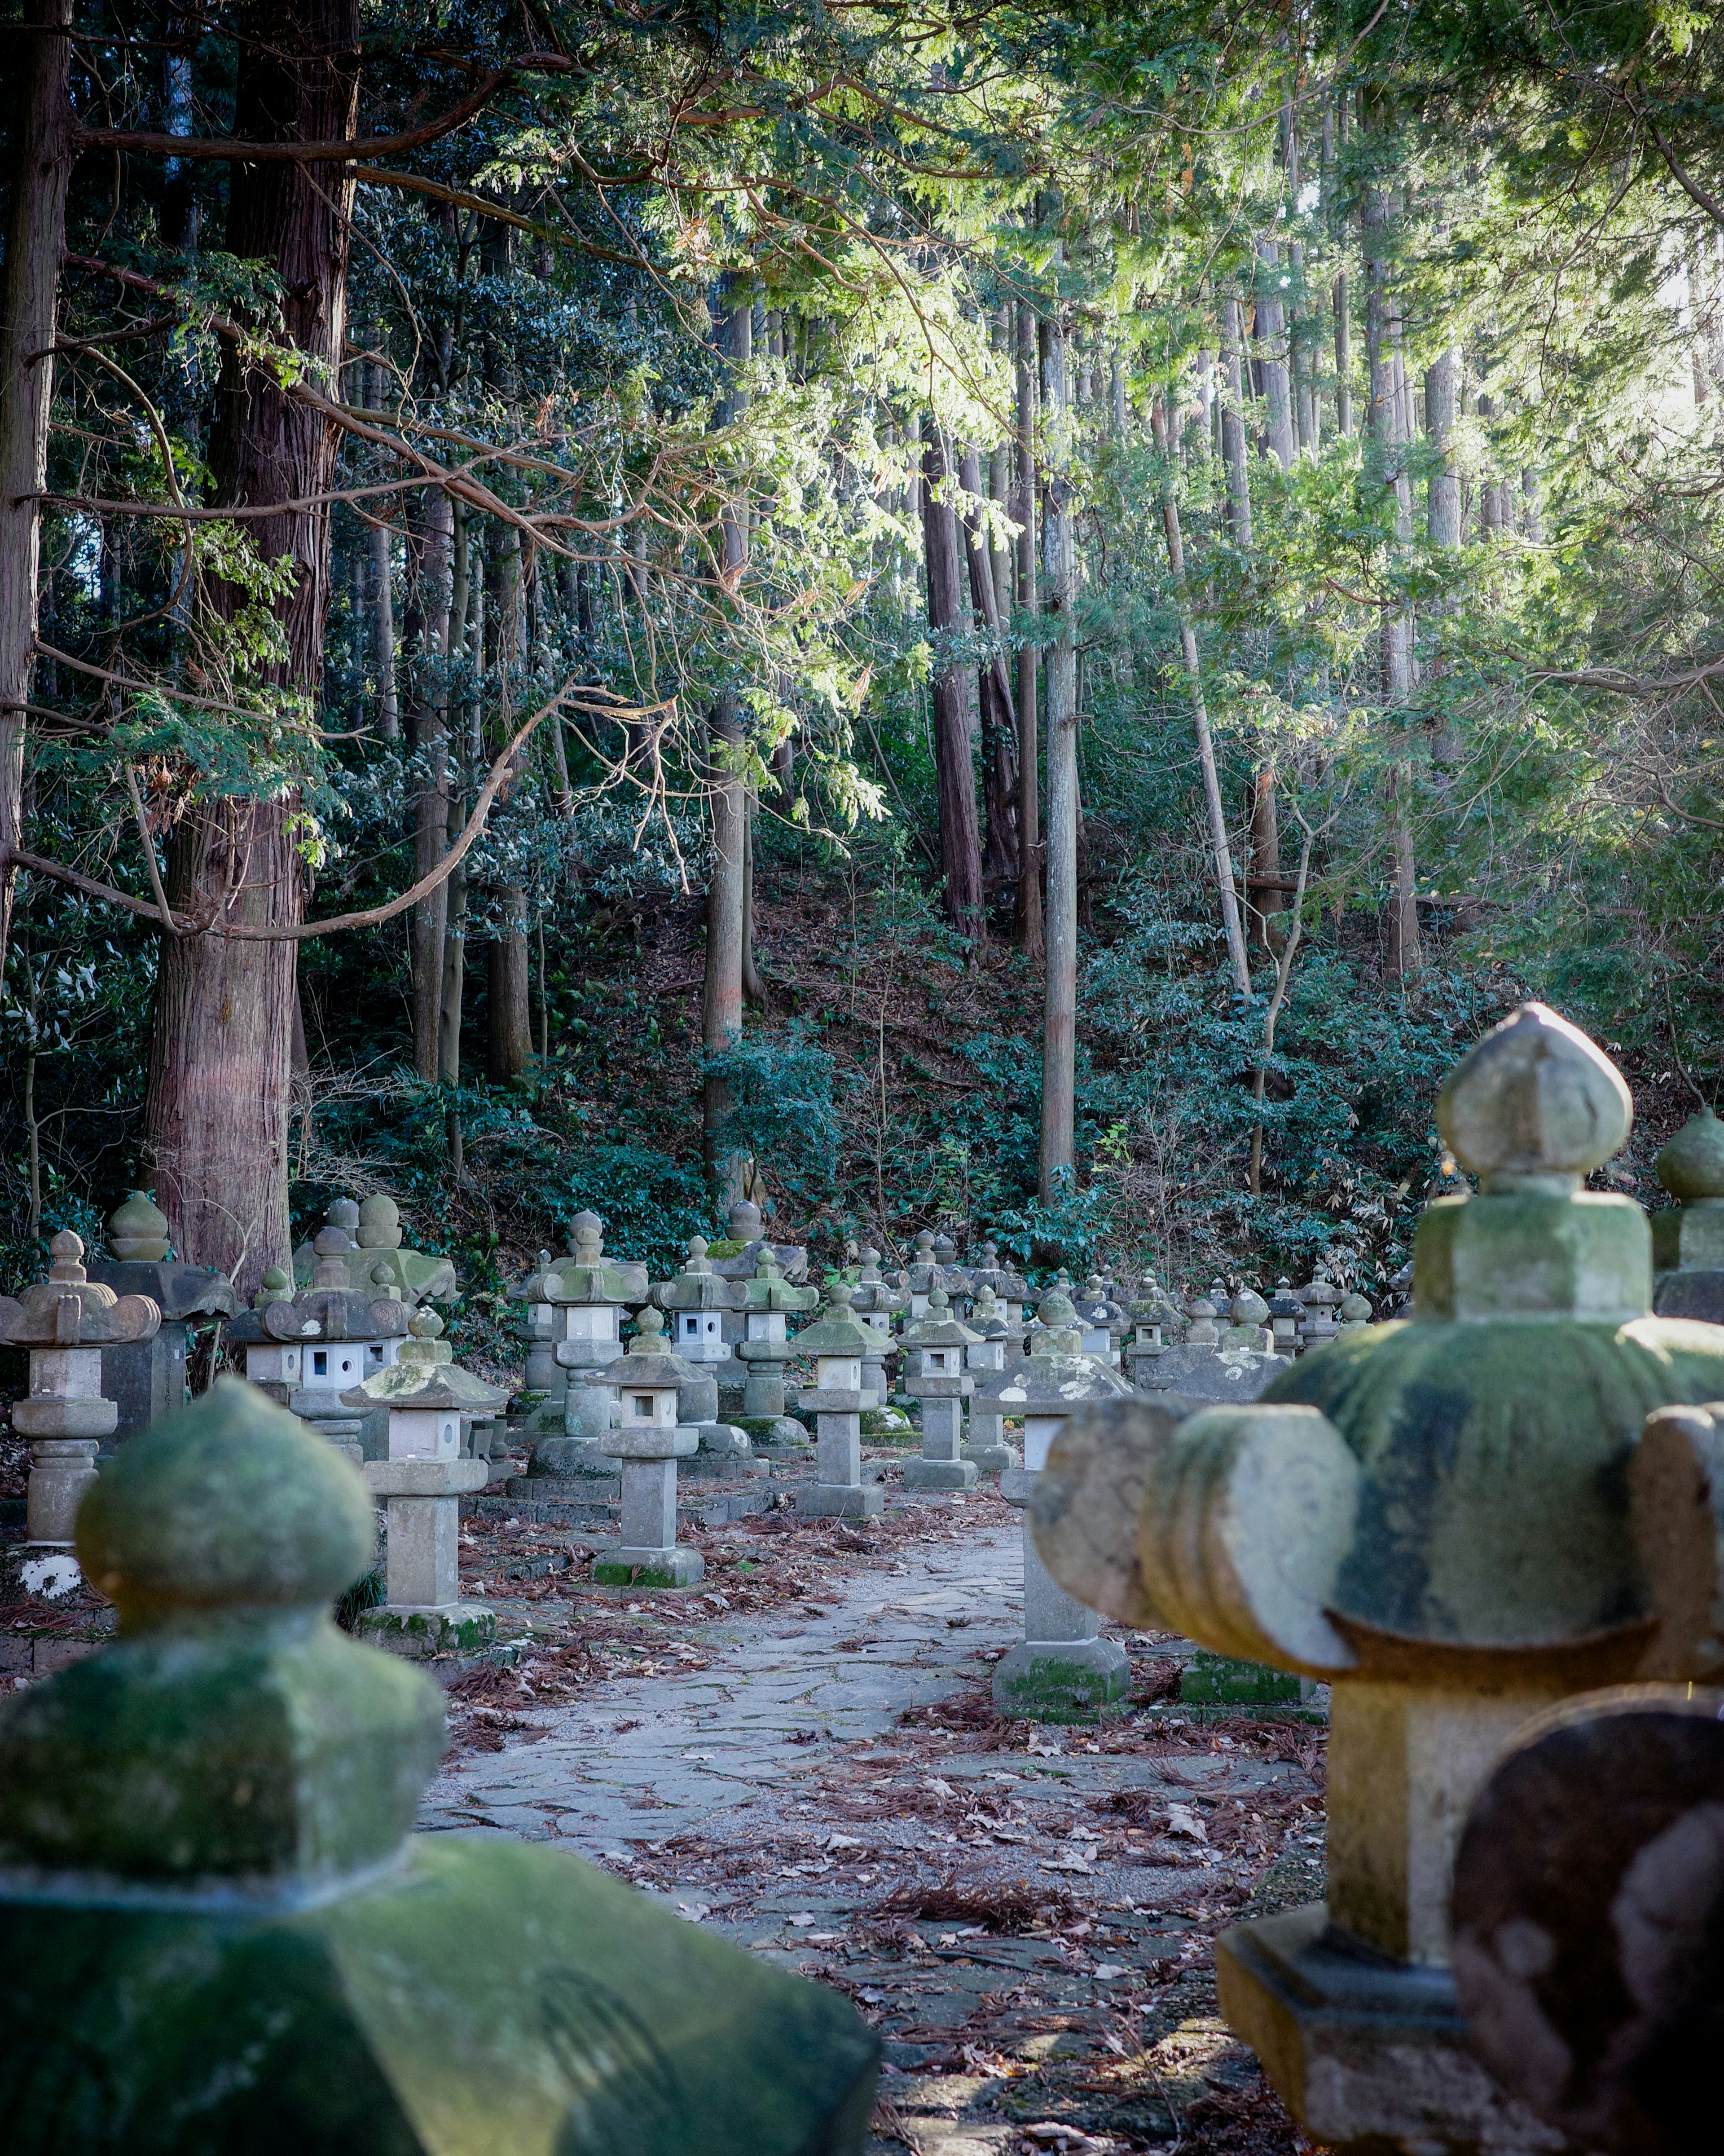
{"points": [[1367, 2054], [1051, 1679], [840, 1500], [940, 1474], [620, 1566], [451, 1628]]}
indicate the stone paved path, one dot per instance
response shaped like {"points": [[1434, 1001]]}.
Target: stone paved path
{"points": [[701, 1745], [1025, 1912]]}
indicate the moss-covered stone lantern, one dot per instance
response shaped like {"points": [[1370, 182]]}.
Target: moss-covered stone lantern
{"points": [[941, 1385], [219, 1932], [645, 1447], [428, 1397], [1061, 1665], [766, 1345], [1434, 1517], [376, 1261], [997, 1343], [876, 1303], [1688, 1238], [587, 1293], [837, 1343], [307, 1349], [65, 1321]]}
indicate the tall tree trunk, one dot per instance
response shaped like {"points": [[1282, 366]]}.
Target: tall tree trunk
{"points": [[1386, 422], [1443, 506], [382, 594], [217, 1101], [954, 754], [1272, 351], [35, 239], [1266, 901], [1000, 720], [430, 566], [1058, 1157], [463, 716], [1220, 851], [1233, 426], [1029, 923], [728, 906], [509, 1039]]}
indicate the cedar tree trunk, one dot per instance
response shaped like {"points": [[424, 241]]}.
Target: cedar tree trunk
{"points": [[217, 1108]]}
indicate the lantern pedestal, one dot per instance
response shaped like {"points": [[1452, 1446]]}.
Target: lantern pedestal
{"points": [[425, 1614], [647, 1553], [1062, 1665], [1366, 2053]]}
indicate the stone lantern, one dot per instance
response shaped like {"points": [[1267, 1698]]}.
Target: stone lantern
{"points": [[373, 1241], [587, 1293], [1434, 1517], [1205, 1367], [147, 1378], [876, 1304], [645, 1447], [766, 1345], [1247, 1322], [697, 1303], [65, 1321], [1158, 1324], [1095, 1315], [1688, 1238], [307, 1349], [1010, 1289], [1321, 1297], [922, 1274], [1061, 1664], [941, 1341], [1352, 1311], [1287, 1314], [737, 1257], [837, 1343], [985, 1359], [533, 1327], [427, 1397], [220, 1931]]}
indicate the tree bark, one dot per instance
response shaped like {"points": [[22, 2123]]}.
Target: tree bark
{"points": [[1265, 899], [217, 1101], [954, 753], [1000, 720], [1221, 852], [728, 906], [452, 986], [1272, 349], [1029, 922], [509, 1039], [1058, 1159], [381, 595], [1233, 426], [35, 239], [427, 623], [1443, 506], [1387, 427]]}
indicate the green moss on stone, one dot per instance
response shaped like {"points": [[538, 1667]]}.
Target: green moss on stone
{"points": [[494, 1997], [1217, 1681], [1493, 1508]]}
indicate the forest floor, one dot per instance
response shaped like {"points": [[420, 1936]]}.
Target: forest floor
{"points": [[802, 1754]]}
